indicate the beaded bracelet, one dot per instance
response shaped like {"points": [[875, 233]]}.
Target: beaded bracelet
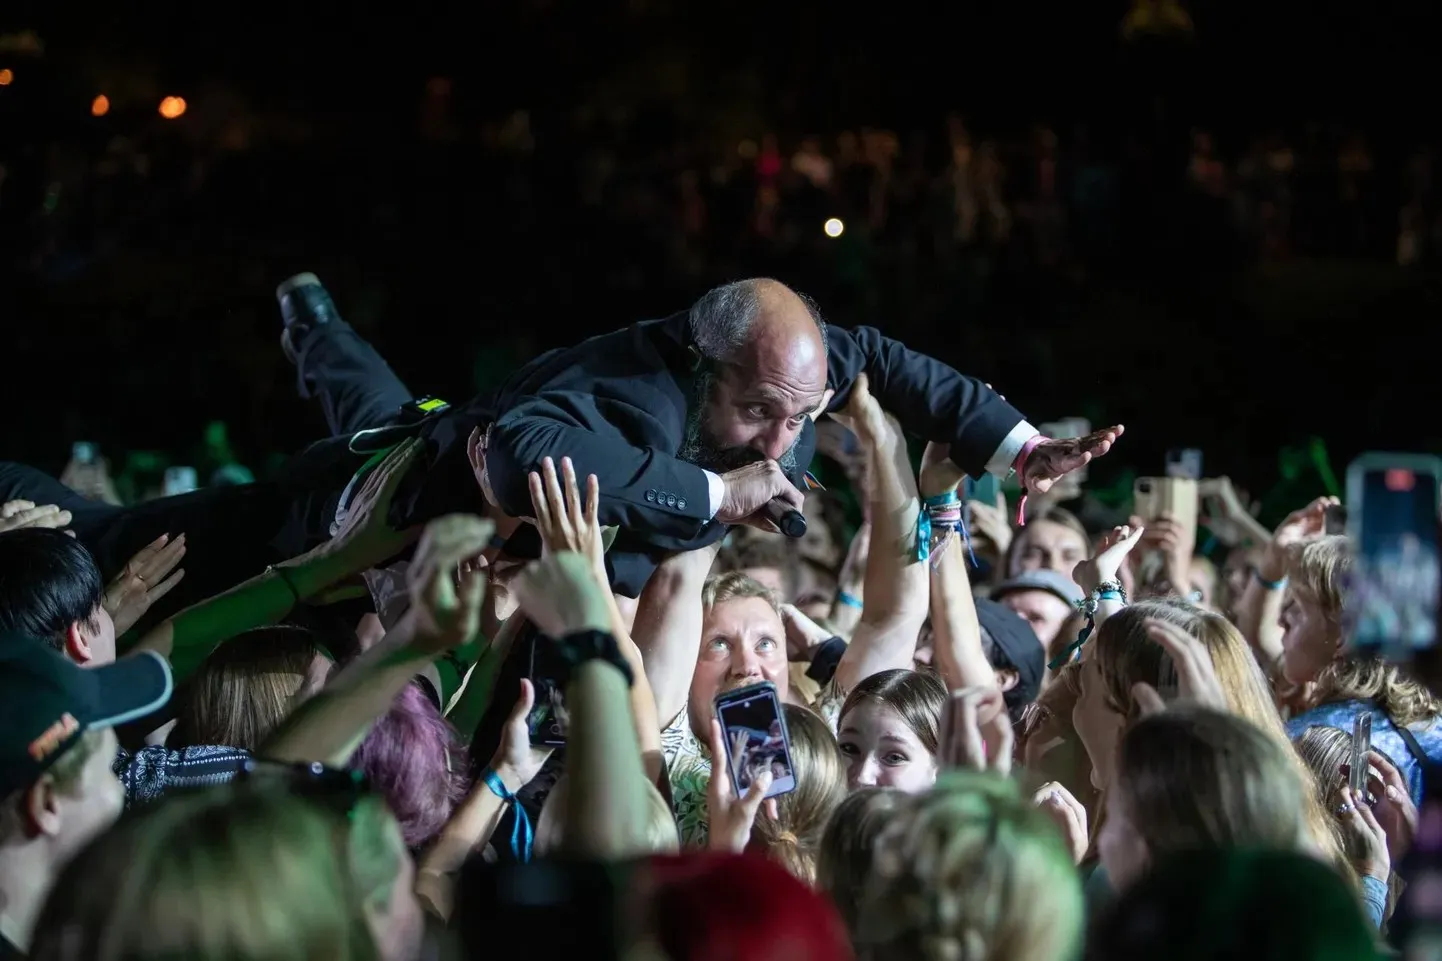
{"points": [[1105, 591]]}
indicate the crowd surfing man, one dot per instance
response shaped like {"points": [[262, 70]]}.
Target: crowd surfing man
{"points": [[691, 423]]}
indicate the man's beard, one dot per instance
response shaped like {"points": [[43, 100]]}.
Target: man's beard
{"points": [[698, 448]]}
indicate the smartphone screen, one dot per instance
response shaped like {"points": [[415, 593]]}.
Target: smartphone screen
{"points": [[179, 480], [1184, 462], [1391, 601], [549, 722], [1361, 744], [84, 452], [754, 730]]}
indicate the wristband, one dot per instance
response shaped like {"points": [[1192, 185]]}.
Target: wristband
{"points": [[1269, 585], [521, 833], [848, 600], [1105, 591], [285, 579], [583, 646]]}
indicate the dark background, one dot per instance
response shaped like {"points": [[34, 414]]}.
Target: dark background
{"points": [[1225, 235]]}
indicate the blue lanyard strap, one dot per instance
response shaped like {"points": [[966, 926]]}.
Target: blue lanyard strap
{"points": [[1074, 648], [521, 833]]}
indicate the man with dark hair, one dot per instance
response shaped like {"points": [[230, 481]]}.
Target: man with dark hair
{"points": [[50, 594], [51, 589]]}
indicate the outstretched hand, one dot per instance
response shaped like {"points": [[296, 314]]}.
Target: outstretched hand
{"points": [[1054, 458]]}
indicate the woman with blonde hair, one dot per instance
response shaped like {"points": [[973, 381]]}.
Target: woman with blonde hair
{"points": [[265, 869], [1124, 655], [1335, 685], [970, 870], [793, 837], [1191, 778]]}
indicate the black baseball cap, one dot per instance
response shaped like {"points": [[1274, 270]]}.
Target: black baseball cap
{"points": [[47, 702], [1017, 646]]}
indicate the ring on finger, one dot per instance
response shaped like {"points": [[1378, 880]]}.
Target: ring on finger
{"points": [[1344, 808]]}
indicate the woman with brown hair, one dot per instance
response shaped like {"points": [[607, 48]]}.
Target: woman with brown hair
{"points": [[888, 730]]}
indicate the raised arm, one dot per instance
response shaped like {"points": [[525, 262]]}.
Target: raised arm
{"points": [[929, 398]]}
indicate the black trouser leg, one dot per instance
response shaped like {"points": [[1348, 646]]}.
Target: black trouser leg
{"points": [[357, 388]]}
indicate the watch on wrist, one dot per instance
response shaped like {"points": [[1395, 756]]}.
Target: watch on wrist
{"points": [[582, 646]]}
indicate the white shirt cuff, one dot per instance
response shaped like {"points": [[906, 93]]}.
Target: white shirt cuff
{"points": [[718, 489], [1004, 459]]}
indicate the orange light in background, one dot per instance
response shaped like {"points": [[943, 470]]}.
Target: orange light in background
{"points": [[100, 106], [172, 107], [7, 77]]}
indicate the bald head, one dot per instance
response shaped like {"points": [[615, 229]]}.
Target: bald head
{"points": [[768, 345]]}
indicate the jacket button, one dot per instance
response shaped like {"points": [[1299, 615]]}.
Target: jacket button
{"points": [[670, 500], [651, 497], [681, 504]]}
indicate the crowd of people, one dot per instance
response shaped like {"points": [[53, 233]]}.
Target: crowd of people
{"points": [[1004, 734]]}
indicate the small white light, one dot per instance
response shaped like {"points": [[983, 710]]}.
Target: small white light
{"points": [[834, 227]]}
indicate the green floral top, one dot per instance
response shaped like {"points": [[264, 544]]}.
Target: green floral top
{"points": [[688, 766]]}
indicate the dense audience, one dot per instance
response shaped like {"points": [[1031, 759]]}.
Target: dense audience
{"points": [[1001, 735]]}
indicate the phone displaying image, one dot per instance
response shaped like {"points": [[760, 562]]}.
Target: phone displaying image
{"points": [[754, 730], [1391, 600], [179, 480], [1184, 462], [84, 453], [549, 722], [1358, 764], [1174, 497]]}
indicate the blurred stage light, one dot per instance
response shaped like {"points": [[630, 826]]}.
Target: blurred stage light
{"points": [[7, 77], [100, 106], [834, 227], [172, 107]]}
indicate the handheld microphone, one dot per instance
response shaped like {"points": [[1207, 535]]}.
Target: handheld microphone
{"points": [[791, 522]]}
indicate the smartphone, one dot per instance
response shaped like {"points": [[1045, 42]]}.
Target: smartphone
{"points": [[549, 722], [1063, 429], [84, 453], [1175, 497], [985, 489], [1184, 462], [1392, 513], [754, 730], [179, 480], [1358, 762]]}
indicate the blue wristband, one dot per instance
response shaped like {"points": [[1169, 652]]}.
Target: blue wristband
{"points": [[521, 833], [850, 600], [1269, 585]]}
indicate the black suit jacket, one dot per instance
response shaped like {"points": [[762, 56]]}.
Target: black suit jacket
{"points": [[618, 405]]}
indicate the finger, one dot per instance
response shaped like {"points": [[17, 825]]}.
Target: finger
{"points": [[1391, 777], [524, 702], [755, 794], [593, 501], [164, 587], [772, 811], [11, 508], [163, 561], [392, 470], [145, 553], [473, 591], [554, 498], [971, 740], [539, 504], [1147, 699], [47, 516], [718, 740]]}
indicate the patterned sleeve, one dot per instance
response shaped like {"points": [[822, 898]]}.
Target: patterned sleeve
{"points": [[828, 704], [152, 771]]}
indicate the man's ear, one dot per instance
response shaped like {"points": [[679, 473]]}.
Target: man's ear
{"points": [[825, 402], [40, 804], [1006, 678], [77, 645], [474, 451]]}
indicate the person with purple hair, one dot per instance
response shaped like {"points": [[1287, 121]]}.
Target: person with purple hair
{"points": [[414, 759]]}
